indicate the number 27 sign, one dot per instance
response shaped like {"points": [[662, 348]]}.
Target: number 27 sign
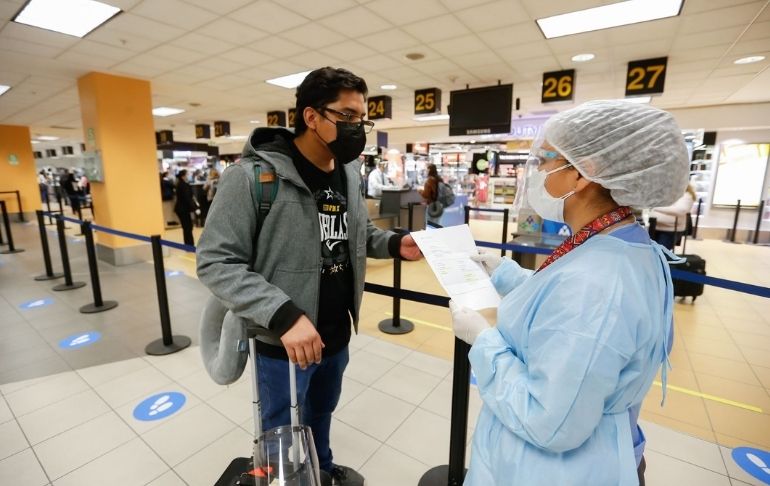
{"points": [[646, 77]]}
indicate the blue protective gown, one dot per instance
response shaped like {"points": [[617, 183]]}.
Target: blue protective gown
{"points": [[575, 347]]}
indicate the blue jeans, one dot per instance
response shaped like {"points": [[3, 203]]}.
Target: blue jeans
{"points": [[318, 392]]}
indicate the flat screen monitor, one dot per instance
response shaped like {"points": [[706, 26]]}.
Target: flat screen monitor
{"points": [[481, 111]]}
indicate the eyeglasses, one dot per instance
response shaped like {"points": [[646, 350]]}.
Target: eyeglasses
{"points": [[349, 118]]}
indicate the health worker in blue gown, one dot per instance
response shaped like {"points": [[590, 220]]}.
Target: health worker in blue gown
{"points": [[579, 341]]}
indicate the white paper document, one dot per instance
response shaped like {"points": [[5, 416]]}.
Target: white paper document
{"points": [[447, 251]]}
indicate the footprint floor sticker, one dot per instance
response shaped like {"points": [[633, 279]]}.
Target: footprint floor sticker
{"points": [[159, 406], [79, 340]]}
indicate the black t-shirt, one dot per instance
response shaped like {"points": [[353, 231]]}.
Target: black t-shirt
{"points": [[335, 302]]}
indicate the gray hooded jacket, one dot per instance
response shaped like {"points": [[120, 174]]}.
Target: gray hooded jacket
{"points": [[286, 272]]}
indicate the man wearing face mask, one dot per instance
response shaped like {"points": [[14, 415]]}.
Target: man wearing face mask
{"points": [[300, 282]]}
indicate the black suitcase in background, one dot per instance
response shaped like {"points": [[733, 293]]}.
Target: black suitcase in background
{"points": [[694, 264]]}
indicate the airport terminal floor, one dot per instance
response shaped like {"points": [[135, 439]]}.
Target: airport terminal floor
{"points": [[67, 416]]}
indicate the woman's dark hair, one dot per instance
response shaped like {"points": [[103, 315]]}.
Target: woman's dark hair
{"points": [[322, 87], [181, 174], [432, 171]]}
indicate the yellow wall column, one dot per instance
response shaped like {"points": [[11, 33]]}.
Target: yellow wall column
{"points": [[117, 122], [17, 170]]}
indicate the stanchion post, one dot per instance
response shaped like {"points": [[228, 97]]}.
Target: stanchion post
{"points": [[467, 210], [49, 275], [21, 210], [168, 343], [410, 226], [697, 219], [396, 325], [48, 205], [80, 217], [8, 234], [65, 260], [506, 214], [2, 243], [98, 305], [760, 210], [454, 473], [735, 221]]}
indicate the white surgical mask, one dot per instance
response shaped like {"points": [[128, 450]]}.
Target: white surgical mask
{"points": [[547, 206]]}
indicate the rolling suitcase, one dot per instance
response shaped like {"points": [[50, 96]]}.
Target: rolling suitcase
{"points": [[282, 456], [692, 263]]}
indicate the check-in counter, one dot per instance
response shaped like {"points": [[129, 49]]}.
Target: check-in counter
{"points": [[395, 203]]}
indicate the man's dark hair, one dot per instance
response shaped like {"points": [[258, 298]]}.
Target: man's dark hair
{"points": [[322, 87]]}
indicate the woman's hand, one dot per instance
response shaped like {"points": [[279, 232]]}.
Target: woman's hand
{"points": [[489, 261], [466, 323]]}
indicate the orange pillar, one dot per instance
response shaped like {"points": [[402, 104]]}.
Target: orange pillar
{"points": [[17, 170], [118, 126]]}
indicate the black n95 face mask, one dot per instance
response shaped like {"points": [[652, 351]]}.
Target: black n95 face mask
{"points": [[350, 142]]}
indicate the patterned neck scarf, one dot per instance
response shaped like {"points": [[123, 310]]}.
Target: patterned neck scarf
{"points": [[594, 227]]}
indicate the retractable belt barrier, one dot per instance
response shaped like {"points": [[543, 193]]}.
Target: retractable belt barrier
{"points": [[454, 471]]}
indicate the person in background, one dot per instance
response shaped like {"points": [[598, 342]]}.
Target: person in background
{"points": [[167, 188], [42, 182], [185, 205], [210, 189], [85, 185], [377, 180], [72, 190], [579, 342], [429, 193], [672, 220]]}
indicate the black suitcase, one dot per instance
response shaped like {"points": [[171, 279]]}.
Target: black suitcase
{"points": [[694, 264]]}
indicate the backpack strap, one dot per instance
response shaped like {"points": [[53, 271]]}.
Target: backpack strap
{"points": [[265, 190]]}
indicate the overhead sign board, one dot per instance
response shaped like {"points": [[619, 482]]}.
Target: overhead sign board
{"points": [[558, 86], [646, 77]]}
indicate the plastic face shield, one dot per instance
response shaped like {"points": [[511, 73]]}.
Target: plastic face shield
{"points": [[533, 162]]}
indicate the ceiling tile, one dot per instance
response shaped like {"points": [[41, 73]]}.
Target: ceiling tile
{"points": [[86, 61], [439, 67], [117, 54], [123, 40], [641, 50], [477, 59], [278, 47], [170, 12], [30, 48], [507, 36], [524, 51], [459, 45], [246, 56], [402, 12], [281, 67], [349, 51], [314, 36], [744, 48], [695, 6], [314, 59], [709, 38], [176, 77], [202, 43], [377, 62], [174, 52], [735, 70], [389, 40], [644, 31], [149, 60], [232, 31], [356, 22], [269, 17], [493, 15], [221, 7], [313, 9], [26, 33], [454, 5], [539, 9], [134, 69], [758, 30], [733, 16], [438, 28], [579, 43], [224, 83], [139, 26], [219, 66]]}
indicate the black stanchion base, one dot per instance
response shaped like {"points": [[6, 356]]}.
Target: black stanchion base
{"points": [[438, 476], [404, 326], [7, 252], [157, 348], [64, 286], [93, 308], [42, 278]]}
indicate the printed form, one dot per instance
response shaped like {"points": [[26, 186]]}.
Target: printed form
{"points": [[447, 251]]}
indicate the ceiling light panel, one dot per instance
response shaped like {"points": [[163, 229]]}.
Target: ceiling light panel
{"points": [[290, 81], [72, 17], [166, 111], [3, 89], [608, 16]]}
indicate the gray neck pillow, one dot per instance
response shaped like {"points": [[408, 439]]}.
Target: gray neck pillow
{"points": [[224, 346]]}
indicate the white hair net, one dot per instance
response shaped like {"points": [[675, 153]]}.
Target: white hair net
{"points": [[636, 151]]}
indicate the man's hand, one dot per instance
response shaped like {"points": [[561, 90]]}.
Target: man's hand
{"points": [[303, 343], [409, 249]]}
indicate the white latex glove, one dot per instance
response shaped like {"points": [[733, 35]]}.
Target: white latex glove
{"points": [[467, 323], [198, 212], [489, 261]]}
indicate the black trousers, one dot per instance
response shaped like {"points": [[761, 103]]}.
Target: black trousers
{"points": [[640, 471], [187, 227]]}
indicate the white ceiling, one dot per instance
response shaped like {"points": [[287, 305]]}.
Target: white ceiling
{"points": [[218, 54]]}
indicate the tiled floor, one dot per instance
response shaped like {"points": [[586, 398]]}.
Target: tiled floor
{"points": [[66, 416]]}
